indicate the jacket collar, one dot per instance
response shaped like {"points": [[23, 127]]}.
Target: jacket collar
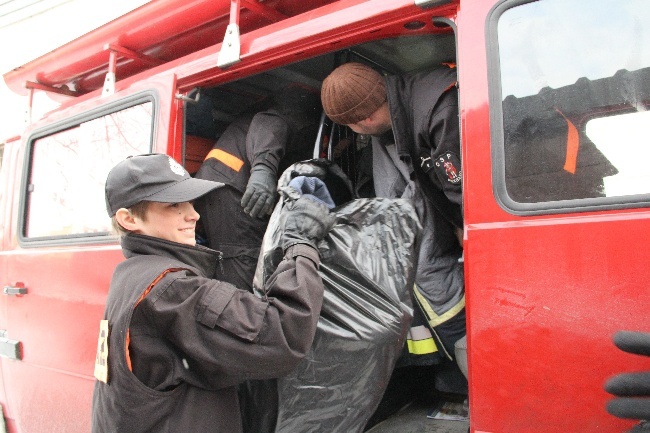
{"points": [[203, 259]]}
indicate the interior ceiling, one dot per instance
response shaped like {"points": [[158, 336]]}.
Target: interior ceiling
{"points": [[394, 55]]}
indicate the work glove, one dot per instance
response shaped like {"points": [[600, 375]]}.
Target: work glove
{"points": [[306, 220], [259, 197], [632, 389]]}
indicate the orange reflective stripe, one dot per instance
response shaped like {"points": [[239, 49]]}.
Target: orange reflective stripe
{"points": [[451, 86], [142, 296], [229, 160], [128, 355], [572, 145]]}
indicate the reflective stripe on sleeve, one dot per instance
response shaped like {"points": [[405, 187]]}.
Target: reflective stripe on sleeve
{"points": [[228, 159]]}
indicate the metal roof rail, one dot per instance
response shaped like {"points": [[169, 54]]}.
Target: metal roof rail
{"points": [[231, 46], [114, 50]]}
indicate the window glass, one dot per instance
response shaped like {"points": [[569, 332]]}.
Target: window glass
{"points": [[69, 168], [574, 91], [623, 139]]}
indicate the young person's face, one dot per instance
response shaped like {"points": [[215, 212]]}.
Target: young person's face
{"points": [[174, 222]]}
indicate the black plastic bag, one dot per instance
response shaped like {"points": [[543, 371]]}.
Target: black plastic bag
{"points": [[368, 268]]}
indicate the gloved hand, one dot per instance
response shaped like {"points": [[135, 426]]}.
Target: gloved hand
{"points": [[305, 221], [259, 197], [313, 188], [630, 386]]}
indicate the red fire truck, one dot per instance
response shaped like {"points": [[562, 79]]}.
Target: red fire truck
{"points": [[553, 98]]}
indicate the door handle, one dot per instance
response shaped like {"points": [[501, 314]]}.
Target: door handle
{"points": [[9, 348], [14, 290]]}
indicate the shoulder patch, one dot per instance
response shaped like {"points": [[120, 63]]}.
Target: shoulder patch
{"points": [[101, 360], [447, 168]]}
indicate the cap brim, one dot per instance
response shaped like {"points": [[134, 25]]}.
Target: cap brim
{"points": [[185, 190]]}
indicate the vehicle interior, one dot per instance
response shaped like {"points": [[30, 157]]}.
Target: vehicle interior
{"points": [[216, 107], [211, 109]]}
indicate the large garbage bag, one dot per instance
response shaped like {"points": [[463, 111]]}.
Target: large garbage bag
{"points": [[368, 269]]}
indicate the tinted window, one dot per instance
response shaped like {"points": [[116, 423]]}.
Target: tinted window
{"points": [[68, 170], [574, 92]]}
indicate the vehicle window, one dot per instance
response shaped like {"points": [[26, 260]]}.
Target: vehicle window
{"points": [[65, 193], [574, 98]]}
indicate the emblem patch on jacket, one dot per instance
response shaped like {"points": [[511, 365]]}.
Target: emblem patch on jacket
{"points": [[101, 360], [448, 168]]}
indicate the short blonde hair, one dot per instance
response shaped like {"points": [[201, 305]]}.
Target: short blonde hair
{"points": [[138, 210]]}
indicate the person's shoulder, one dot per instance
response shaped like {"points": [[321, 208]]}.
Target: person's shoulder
{"points": [[437, 71]]}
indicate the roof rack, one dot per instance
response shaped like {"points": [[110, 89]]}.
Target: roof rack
{"points": [[114, 50], [155, 33]]}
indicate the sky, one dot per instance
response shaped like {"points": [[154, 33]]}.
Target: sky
{"points": [[543, 44], [37, 29]]}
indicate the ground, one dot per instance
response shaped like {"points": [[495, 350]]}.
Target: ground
{"points": [[414, 393], [413, 419]]}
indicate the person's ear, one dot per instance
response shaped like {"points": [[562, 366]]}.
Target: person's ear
{"points": [[127, 220]]}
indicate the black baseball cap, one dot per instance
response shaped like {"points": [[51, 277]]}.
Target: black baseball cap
{"points": [[152, 177]]}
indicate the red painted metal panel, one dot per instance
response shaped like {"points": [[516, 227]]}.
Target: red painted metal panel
{"points": [[57, 324], [7, 177], [544, 293], [57, 320], [544, 299]]}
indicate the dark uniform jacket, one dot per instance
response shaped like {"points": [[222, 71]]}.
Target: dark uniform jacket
{"points": [[272, 138], [419, 159], [424, 115], [180, 342]]}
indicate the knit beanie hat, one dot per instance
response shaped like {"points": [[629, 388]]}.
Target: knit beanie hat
{"points": [[352, 92]]}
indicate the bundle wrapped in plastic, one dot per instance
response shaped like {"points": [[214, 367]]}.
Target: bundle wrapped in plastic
{"points": [[368, 269]]}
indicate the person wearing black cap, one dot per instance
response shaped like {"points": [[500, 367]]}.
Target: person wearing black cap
{"points": [[413, 123], [174, 342]]}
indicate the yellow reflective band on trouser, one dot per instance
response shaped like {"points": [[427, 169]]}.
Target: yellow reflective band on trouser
{"points": [[229, 160], [419, 341], [434, 319]]}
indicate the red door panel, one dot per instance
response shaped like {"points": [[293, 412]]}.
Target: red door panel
{"points": [[544, 298]]}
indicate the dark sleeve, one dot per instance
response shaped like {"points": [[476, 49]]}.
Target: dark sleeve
{"points": [[444, 135], [229, 335], [267, 139]]}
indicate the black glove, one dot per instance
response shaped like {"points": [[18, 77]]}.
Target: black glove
{"points": [[633, 389], [305, 221], [259, 197]]}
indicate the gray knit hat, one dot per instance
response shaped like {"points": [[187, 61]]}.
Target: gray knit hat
{"points": [[352, 92]]}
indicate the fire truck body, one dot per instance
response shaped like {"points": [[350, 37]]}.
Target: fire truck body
{"points": [[553, 101]]}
